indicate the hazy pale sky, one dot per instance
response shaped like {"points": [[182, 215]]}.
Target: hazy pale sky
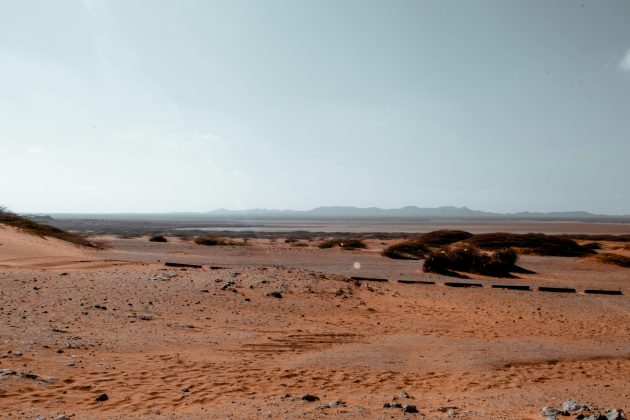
{"points": [[149, 106]]}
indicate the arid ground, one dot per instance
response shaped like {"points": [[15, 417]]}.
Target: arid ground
{"points": [[214, 342]]}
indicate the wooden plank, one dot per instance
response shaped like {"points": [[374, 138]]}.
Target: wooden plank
{"points": [[511, 287], [403, 281], [457, 284], [172, 264], [603, 292], [368, 279], [556, 289]]}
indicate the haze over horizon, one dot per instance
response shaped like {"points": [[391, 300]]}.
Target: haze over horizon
{"points": [[157, 106]]}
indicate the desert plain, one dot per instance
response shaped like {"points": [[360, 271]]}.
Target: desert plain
{"points": [[277, 329]]}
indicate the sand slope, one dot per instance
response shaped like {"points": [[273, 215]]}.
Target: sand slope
{"points": [[19, 249]]}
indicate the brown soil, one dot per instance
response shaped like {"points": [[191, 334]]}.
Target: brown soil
{"points": [[78, 323]]}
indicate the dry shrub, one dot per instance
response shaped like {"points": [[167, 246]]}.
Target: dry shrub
{"points": [[530, 243], [216, 241], [158, 238], [346, 243], [418, 247], [413, 249], [468, 259]]}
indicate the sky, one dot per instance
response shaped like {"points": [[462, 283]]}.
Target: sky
{"points": [[158, 106]]}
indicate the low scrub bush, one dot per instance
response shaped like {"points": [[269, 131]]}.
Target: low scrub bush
{"points": [[158, 238], [468, 259], [530, 243], [443, 237], [418, 247], [347, 243], [216, 241], [412, 249]]}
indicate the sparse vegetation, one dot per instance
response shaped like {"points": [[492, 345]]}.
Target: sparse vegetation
{"points": [[615, 259], [35, 228], [471, 260], [530, 243], [443, 237], [216, 241], [346, 243], [158, 238], [417, 248], [413, 249]]}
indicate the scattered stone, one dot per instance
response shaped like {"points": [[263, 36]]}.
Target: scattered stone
{"points": [[309, 398], [162, 276], [275, 294], [410, 409], [550, 413], [339, 292], [392, 405], [6, 372], [187, 389], [227, 284], [331, 404], [28, 375], [615, 414], [572, 406], [403, 394], [146, 317], [102, 397], [61, 417]]}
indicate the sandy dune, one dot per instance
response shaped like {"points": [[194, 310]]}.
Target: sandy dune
{"points": [[212, 343]]}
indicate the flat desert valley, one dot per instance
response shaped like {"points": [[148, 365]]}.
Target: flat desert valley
{"points": [[277, 329]]}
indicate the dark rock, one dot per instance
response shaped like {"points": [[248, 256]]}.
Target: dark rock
{"points": [[102, 397], [309, 398], [410, 409], [275, 294], [392, 405], [550, 413], [28, 375]]}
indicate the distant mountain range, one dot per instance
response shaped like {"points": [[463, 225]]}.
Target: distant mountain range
{"points": [[341, 212], [410, 212]]}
